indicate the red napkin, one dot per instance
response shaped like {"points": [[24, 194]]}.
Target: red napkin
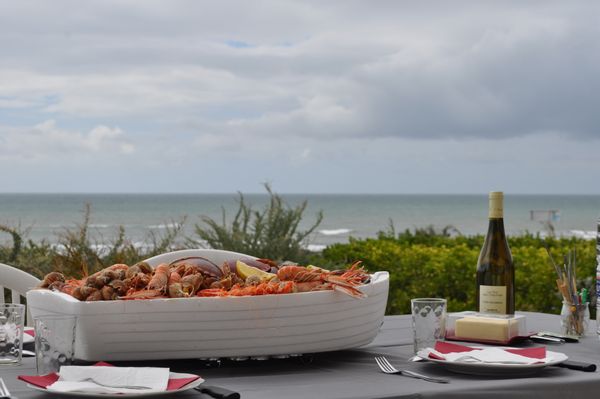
{"points": [[30, 332], [43, 381], [447, 347]]}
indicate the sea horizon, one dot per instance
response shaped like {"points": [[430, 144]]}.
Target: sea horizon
{"points": [[43, 216]]}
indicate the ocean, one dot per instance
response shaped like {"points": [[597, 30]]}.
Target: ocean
{"points": [[44, 216]]}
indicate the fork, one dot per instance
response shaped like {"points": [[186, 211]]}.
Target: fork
{"points": [[4, 394], [387, 368]]}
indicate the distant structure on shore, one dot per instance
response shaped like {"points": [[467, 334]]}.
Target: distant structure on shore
{"points": [[547, 217]]}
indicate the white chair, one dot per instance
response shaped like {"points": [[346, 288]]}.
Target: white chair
{"points": [[18, 283]]}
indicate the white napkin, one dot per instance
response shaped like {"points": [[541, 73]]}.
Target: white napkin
{"points": [[485, 355], [100, 379]]}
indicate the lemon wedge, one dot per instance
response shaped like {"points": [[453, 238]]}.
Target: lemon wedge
{"points": [[245, 271]]}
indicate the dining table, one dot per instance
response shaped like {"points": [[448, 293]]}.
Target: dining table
{"points": [[353, 373]]}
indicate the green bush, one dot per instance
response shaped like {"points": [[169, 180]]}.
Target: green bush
{"points": [[272, 232], [77, 255], [426, 265]]}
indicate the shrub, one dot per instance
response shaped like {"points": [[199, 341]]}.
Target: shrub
{"points": [[270, 233], [76, 254], [443, 266]]}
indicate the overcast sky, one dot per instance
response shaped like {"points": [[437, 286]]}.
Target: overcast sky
{"points": [[337, 96]]}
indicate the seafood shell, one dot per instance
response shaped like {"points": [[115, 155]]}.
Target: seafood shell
{"points": [[203, 264]]}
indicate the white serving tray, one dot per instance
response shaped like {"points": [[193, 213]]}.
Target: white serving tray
{"points": [[249, 326]]}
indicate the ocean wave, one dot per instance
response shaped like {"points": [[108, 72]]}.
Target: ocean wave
{"points": [[335, 232], [60, 248], [586, 235], [63, 226], [104, 249], [165, 226], [316, 247]]}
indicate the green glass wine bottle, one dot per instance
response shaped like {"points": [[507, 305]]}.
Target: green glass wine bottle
{"points": [[495, 267]]}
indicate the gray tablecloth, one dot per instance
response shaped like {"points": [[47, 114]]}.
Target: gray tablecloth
{"points": [[354, 374]]}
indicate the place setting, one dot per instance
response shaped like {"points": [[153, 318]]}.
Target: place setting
{"points": [[55, 355], [59, 374], [473, 343], [491, 361]]}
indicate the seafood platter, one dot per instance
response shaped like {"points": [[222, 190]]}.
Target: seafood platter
{"points": [[211, 304]]}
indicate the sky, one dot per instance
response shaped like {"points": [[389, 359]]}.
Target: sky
{"points": [[309, 96]]}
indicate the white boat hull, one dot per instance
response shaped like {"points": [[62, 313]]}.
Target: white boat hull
{"points": [[249, 326]]}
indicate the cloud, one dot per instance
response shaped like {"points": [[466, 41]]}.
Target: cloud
{"points": [[520, 77], [47, 141], [296, 83], [503, 70], [499, 71]]}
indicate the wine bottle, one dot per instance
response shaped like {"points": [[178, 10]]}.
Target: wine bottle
{"points": [[495, 268]]}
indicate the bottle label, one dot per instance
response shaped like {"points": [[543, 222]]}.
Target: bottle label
{"points": [[492, 299]]}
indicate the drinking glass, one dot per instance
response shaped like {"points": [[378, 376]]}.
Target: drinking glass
{"points": [[54, 342], [428, 321], [575, 318], [11, 332]]}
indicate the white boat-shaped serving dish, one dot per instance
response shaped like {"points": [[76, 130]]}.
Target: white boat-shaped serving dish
{"points": [[248, 326]]}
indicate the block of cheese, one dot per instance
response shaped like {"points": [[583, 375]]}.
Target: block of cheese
{"points": [[486, 328]]}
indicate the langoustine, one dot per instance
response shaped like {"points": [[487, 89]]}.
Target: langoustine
{"points": [[293, 278], [317, 279], [196, 276]]}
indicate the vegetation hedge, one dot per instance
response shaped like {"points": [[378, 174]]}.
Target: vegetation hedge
{"points": [[426, 264]]}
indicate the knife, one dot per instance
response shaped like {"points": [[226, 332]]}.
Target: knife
{"points": [[217, 392], [565, 337], [573, 365]]}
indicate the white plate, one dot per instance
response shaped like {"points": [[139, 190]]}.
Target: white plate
{"points": [[187, 387], [500, 369]]}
